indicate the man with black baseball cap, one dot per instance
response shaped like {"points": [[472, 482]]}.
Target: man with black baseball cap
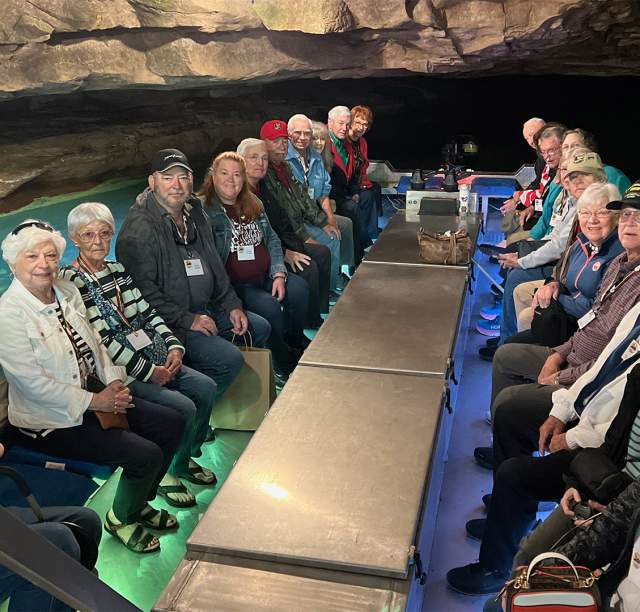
{"points": [[630, 199], [167, 246]]}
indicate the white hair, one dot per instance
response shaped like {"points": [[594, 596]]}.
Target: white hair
{"points": [[14, 244], [248, 143], [597, 193], [86, 213], [338, 111], [533, 120], [297, 117]]}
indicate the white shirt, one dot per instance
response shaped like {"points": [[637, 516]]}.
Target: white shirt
{"points": [[603, 406], [39, 361]]}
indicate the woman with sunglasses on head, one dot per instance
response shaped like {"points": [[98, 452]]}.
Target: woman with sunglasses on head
{"points": [[137, 338], [67, 398]]}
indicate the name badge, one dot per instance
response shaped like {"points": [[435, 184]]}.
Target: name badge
{"points": [[193, 267], [584, 320], [246, 253], [632, 349], [138, 339], [311, 193], [537, 205], [553, 220]]}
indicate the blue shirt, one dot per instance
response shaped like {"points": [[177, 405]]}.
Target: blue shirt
{"points": [[314, 177]]}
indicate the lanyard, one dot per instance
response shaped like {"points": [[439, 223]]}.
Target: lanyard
{"points": [[184, 239], [119, 305], [83, 364], [613, 287]]}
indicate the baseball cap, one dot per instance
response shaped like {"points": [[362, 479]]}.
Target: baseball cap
{"points": [[589, 163], [273, 129], [168, 158], [631, 198]]}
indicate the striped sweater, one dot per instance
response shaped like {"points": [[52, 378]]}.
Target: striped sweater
{"points": [[137, 365], [584, 347]]}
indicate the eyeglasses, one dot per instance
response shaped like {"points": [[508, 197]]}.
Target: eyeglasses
{"points": [[301, 133], [91, 236], [627, 214], [602, 213], [38, 224], [550, 152]]}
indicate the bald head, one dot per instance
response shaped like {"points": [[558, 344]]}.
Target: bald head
{"points": [[530, 128]]}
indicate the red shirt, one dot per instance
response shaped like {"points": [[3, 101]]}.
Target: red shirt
{"points": [[281, 173], [247, 233]]}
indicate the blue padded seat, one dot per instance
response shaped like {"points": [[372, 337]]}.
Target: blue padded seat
{"points": [[20, 455]]}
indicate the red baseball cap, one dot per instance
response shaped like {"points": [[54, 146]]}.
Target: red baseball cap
{"points": [[273, 129]]}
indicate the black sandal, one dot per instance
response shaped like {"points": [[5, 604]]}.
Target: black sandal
{"points": [[138, 542], [160, 520], [165, 491]]}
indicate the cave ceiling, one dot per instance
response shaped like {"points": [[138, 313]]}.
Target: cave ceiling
{"points": [[60, 46]]}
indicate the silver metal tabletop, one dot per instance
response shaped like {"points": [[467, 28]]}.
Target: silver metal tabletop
{"points": [[390, 318], [333, 478], [216, 583], [398, 243]]}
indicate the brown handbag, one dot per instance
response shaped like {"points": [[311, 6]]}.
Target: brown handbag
{"points": [[107, 420], [448, 248]]}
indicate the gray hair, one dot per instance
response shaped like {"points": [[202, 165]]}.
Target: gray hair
{"points": [[598, 192], [248, 143], [27, 238], [551, 131], [338, 111], [297, 117], [86, 213]]}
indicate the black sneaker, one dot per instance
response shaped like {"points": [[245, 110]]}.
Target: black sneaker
{"points": [[496, 290], [486, 500], [473, 579], [492, 342], [484, 456], [487, 352], [475, 528]]}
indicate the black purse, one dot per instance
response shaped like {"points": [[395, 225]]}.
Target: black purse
{"points": [[599, 477], [552, 326]]}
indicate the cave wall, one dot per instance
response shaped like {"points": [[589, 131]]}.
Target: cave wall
{"points": [[89, 89]]}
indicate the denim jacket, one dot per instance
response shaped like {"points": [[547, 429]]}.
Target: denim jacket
{"points": [[318, 178], [223, 233]]}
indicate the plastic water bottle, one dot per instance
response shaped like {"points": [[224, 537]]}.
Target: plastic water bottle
{"points": [[463, 200]]}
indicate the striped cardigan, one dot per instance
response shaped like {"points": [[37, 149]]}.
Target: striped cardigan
{"points": [[136, 364]]}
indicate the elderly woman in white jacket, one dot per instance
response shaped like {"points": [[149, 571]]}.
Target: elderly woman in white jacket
{"points": [[66, 397]]}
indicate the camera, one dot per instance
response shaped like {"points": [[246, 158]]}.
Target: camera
{"points": [[582, 510]]}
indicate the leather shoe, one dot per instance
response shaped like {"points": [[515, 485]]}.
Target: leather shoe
{"points": [[484, 456], [475, 528], [473, 579]]}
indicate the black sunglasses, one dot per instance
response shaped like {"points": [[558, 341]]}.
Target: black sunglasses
{"points": [[38, 224]]}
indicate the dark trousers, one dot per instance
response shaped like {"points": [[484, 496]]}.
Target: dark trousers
{"points": [[360, 214], [286, 317], [144, 451], [518, 413], [26, 596], [317, 275], [518, 485], [371, 206]]}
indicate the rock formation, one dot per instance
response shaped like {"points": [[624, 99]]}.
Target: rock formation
{"points": [[50, 49]]}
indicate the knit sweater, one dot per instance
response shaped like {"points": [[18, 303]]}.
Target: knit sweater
{"points": [[137, 365], [584, 347]]}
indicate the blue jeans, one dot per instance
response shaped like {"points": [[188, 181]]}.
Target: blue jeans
{"points": [[286, 317], [515, 277], [216, 356], [333, 244], [24, 595], [192, 394]]}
